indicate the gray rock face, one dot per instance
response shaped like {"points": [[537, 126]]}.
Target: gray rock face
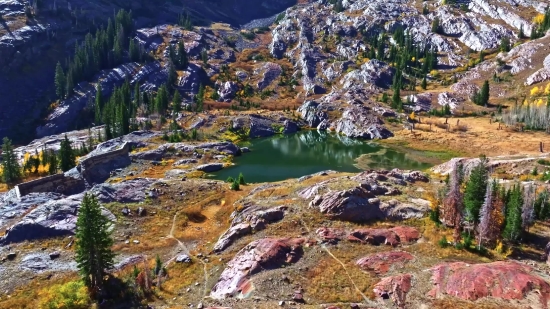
{"points": [[311, 113], [261, 126], [270, 72], [227, 91], [359, 122], [68, 110], [349, 205], [210, 168], [166, 150], [41, 262], [51, 219], [192, 78], [249, 220], [373, 72], [183, 258], [129, 191], [12, 207]]}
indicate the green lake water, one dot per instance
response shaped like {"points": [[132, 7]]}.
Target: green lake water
{"points": [[306, 152]]}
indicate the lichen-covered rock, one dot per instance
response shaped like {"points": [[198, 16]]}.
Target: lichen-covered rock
{"points": [[360, 122], [269, 73], [504, 280], [381, 263], [263, 254], [50, 219], [310, 112], [348, 205], [251, 219], [210, 167], [395, 287], [390, 236]]}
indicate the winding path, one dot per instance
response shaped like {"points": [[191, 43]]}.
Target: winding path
{"points": [[186, 251]]}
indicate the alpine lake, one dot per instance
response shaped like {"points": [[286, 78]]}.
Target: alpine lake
{"points": [[307, 152]]}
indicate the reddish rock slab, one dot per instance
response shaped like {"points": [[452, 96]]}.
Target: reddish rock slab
{"points": [[505, 280], [381, 263], [395, 287], [390, 236], [263, 254]]}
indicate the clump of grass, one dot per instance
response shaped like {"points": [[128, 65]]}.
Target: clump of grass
{"points": [[443, 243]]}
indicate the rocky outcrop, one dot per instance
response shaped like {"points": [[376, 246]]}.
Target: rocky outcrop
{"points": [[381, 263], [263, 254], [227, 91], [390, 236], [51, 219], [360, 204], [311, 113], [373, 72], [269, 73], [166, 150], [349, 205], [63, 116], [394, 288], [210, 167], [540, 75], [501, 280], [360, 122], [249, 220], [128, 191]]}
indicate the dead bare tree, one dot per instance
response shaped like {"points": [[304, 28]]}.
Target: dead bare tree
{"points": [[453, 203]]}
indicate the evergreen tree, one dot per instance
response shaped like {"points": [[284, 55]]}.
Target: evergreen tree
{"points": [[53, 163], [93, 243], [199, 99], [69, 85], [435, 25], [235, 185], [67, 158], [176, 102], [241, 179], [513, 221], [521, 34], [505, 44], [396, 99], [183, 61], [424, 83], [98, 104], [11, 170], [172, 74], [476, 188], [133, 51], [60, 82], [484, 94]]}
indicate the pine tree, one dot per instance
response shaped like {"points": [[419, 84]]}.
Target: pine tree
{"points": [[98, 107], [241, 179], [199, 99], [93, 243], [183, 61], [133, 51], [53, 163], [475, 192], [67, 158], [69, 85], [424, 83], [396, 99], [484, 94], [505, 44], [172, 74], [60, 82], [11, 170], [176, 102], [521, 34], [513, 221], [435, 25]]}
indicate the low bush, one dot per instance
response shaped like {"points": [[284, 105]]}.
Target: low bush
{"points": [[71, 295]]}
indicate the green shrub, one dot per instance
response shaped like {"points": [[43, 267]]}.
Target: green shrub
{"points": [[543, 162], [230, 179], [71, 295], [443, 243]]}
